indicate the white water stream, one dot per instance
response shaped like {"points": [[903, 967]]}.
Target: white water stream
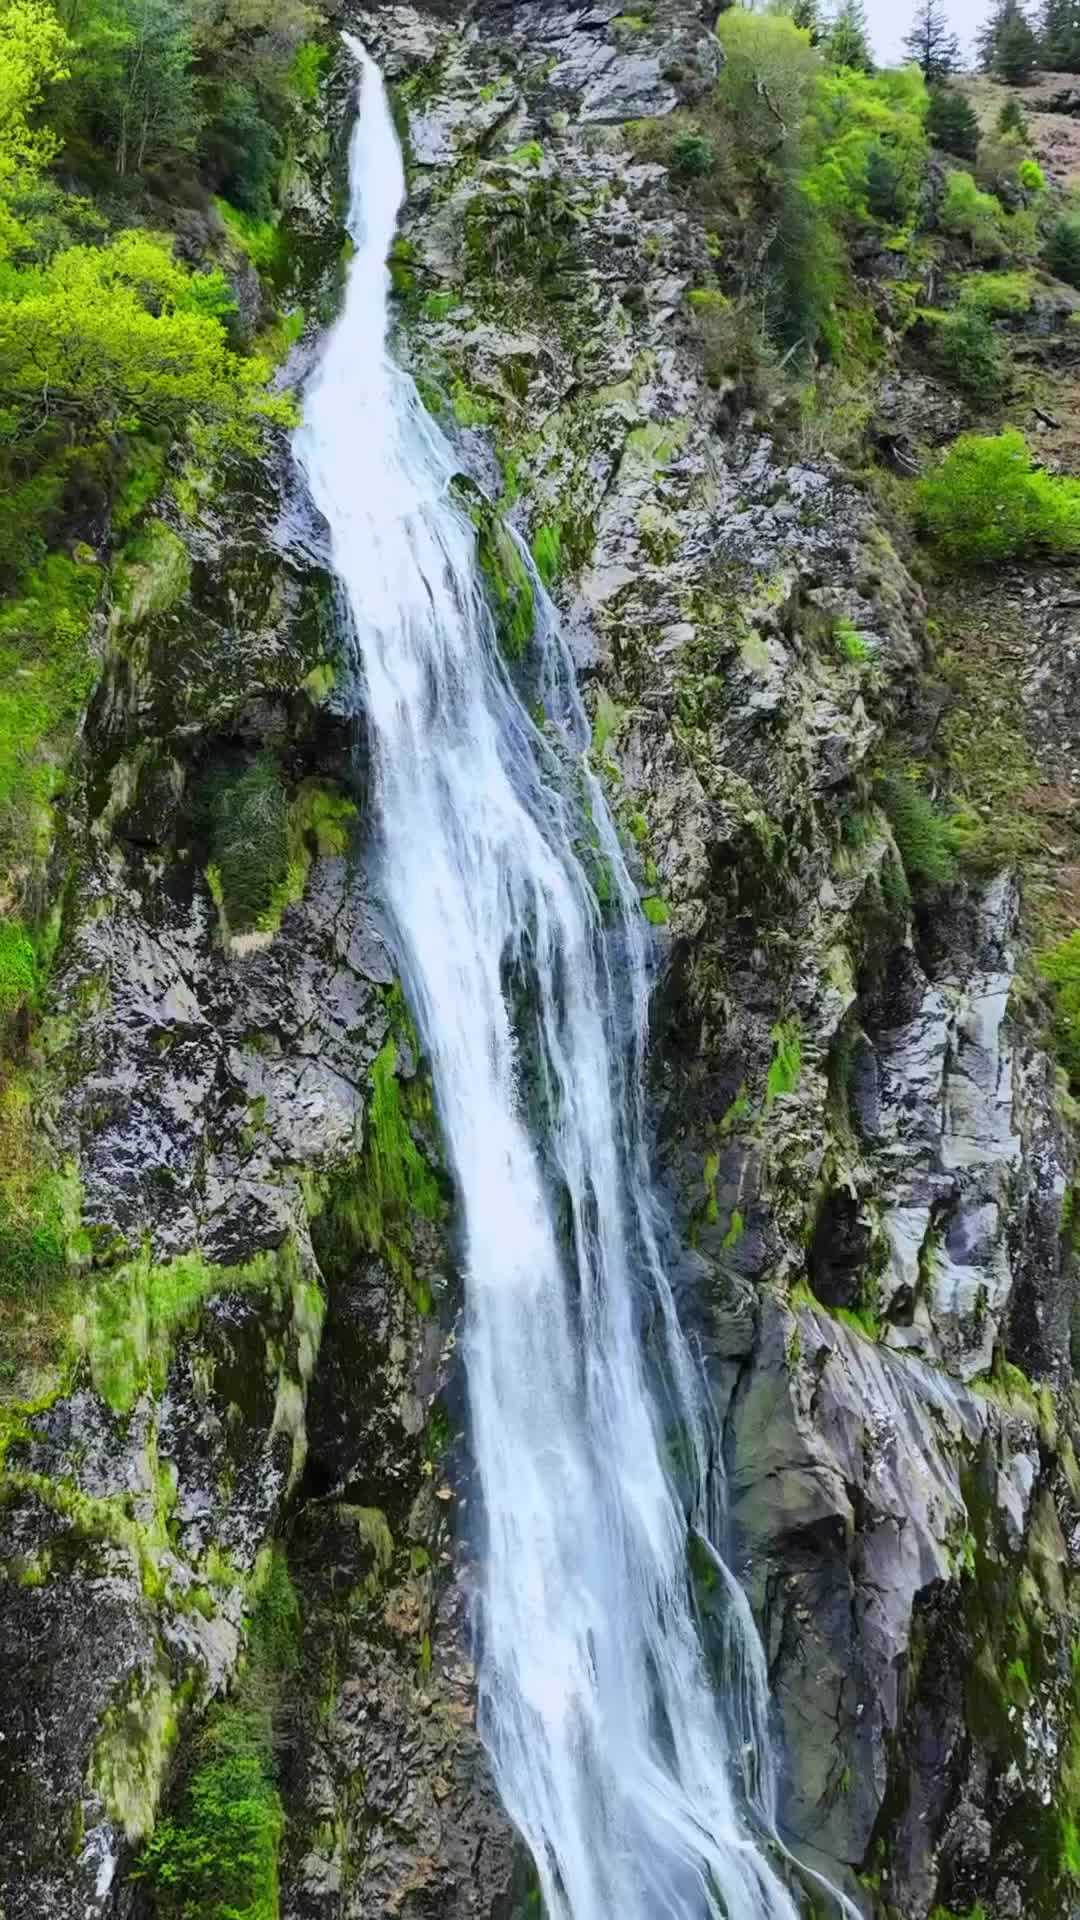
{"points": [[626, 1765]]}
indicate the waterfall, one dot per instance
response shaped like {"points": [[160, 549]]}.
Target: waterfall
{"points": [[638, 1778]]}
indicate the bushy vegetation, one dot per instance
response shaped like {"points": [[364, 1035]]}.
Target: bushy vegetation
{"points": [[216, 1856], [922, 833], [987, 500], [831, 149], [969, 354], [976, 217], [112, 351]]}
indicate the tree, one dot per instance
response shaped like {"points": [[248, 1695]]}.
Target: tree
{"points": [[886, 196], [1059, 35], [1011, 120], [1007, 44], [123, 338], [1063, 249], [33, 53], [930, 45], [847, 43], [807, 15], [133, 81], [952, 123]]}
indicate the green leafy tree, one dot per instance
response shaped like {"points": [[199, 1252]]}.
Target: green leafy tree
{"points": [[977, 217], [133, 91], [863, 127], [33, 55], [952, 123], [124, 339], [767, 84], [930, 46], [847, 43], [1008, 47]]}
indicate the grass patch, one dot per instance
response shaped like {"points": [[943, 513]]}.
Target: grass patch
{"points": [[923, 835]]}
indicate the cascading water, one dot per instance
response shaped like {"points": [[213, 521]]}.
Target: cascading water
{"points": [[629, 1771]]}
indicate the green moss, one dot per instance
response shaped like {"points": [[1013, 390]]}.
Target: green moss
{"points": [[374, 1203], [735, 1232], [1060, 965], [656, 911], [18, 966], [547, 552], [260, 239], [510, 589], [132, 1753], [133, 1315], [606, 724], [849, 641], [152, 575], [785, 1070], [142, 478], [261, 843], [46, 672], [249, 842], [438, 306]]}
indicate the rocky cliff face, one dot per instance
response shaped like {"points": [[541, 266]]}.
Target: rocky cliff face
{"points": [[865, 1150]]}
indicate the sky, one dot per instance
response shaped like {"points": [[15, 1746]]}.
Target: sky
{"points": [[891, 19]]}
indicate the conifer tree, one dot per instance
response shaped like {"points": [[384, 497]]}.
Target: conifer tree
{"points": [[1059, 35], [1008, 47], [807, 15], [952, 123], [847, 43], [930, 45]]}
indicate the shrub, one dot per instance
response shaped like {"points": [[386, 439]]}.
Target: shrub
{"points": [[921, 833], [1031, 176], [1012, 120], [951, 122], [692, 156], [977, 217], [968, 353], [1061, 966], [1063, 249], [986, 501], [1002, 293], [216, 1859]]}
